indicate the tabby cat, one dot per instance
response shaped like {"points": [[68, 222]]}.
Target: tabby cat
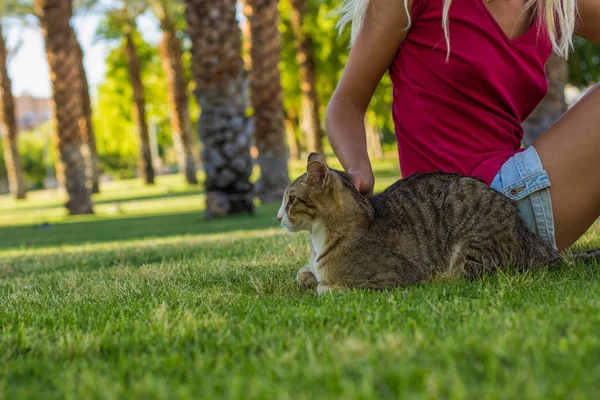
{"points": [[426, 225]]}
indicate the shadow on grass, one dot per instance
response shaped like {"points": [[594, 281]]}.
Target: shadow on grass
{"points": [[110, 230], [111, 200], [166, 195]]}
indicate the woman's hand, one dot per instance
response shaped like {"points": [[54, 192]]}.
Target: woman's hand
{"points": [[364, 181]]}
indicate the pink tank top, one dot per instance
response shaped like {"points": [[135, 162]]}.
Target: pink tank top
{"points": [[464, 116]]}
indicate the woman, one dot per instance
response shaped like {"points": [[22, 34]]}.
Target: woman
{"points": [[466, 73]]}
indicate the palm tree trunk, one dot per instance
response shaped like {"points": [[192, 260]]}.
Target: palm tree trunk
{"points": [[55, 16], [218, 70], [292, 140], [373, 141], [8, 124], [267, 99], [172, 55], [310, 121], [139, 112], [553, 106], [89, 137]]}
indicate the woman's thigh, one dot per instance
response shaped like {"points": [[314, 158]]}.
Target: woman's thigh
{"points": [[570, 153]]}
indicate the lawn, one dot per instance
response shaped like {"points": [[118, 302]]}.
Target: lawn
{"points": [[147, 300]]}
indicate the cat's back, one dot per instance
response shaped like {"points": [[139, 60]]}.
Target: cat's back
{"points": [[431, 215], [437, 208], [420, 192]]}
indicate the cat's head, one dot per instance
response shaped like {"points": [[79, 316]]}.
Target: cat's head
{"points": [[320, 194]]}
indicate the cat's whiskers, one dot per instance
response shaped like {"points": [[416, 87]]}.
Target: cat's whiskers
{"points": [[284, 180]]}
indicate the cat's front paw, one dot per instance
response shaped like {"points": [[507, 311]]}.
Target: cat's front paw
{"points": [[306, 278], [323, 289]]}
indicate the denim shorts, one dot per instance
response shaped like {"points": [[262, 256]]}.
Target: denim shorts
{"points": [[523, 179]]}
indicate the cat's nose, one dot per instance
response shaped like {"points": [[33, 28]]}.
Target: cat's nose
{"points": [[279, 218]]}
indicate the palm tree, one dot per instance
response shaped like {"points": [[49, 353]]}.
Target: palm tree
{"points": [[87, 128], [218, 71], [55, 17], [266, 98], [373, 140], [9, 127], [553, 106], [139, 101], [171, 56], [24, 8], [310, 122], [290, 123], [120, 24]]}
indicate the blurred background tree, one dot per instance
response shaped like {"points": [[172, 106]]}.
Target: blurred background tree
{"points": [[64, 60], [171, 17], [584, 64], [224, 129], [120, 24], [8, 126], [267, 98], [581, 70]]}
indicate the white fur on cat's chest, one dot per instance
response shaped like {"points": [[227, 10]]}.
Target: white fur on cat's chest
{"points": [[317, 240]]}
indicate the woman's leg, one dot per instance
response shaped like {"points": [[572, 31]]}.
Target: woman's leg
{"points": [[570, 153]]}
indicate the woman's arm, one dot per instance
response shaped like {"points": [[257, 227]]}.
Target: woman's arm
{"points": [[371, 55], [588, 23]]}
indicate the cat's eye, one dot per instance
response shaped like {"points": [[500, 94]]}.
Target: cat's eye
{"points": [[290, 201]]}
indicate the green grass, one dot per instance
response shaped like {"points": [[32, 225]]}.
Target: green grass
{"points": [[146, 299]]}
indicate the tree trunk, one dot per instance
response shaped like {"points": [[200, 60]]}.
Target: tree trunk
{"points": [[373, 142], [310, 121], [59, 167], [290, 130], [218, 70], [86, 125], [8, 124], [135, 74], [267, 99], [55, 16], [172, 55], [553, 106]]}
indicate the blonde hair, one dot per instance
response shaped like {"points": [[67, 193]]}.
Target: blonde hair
{"points": [[558, 16]]}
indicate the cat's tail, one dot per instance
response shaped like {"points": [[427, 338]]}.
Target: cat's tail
{"points": [[591, 255]]}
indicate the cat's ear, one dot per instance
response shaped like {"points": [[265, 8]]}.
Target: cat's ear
{"points": [[317, 157], [317, 173]]}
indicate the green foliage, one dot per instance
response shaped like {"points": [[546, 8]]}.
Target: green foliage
{"points": [[331, 52], [584, 64], [152, 302], [116, 133], [3, 171], [173, 11], [37, 158], [16, 8]]}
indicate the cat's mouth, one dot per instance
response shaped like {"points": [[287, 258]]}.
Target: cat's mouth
{"points": [[293, 226], [288, 226]]}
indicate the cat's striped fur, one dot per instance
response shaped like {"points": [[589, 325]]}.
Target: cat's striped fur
{"points": [[426, 225]]}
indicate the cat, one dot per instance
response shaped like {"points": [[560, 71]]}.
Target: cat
{"points": [[429, 224]]}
